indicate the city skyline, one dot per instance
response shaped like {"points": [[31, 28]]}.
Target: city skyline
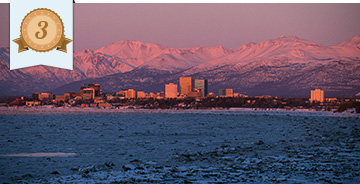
{"points": [[187, 93], [192, 90]]}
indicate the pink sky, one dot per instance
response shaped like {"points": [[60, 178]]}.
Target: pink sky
{"points": [[186, 25]]}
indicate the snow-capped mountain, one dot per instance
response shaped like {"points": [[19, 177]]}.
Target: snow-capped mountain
{"points": [[281, 66], [161, 57], [87, 64], [290, 48], [116, 58]]}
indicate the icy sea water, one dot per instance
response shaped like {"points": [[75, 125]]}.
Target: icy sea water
{"points": [[200, 147]]}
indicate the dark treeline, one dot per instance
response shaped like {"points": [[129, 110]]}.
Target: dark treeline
{"points": [[336, 104], [339, 105]]}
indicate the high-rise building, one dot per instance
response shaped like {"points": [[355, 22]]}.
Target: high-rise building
{"points": [[203, 85], [229, 93], [130, 93], [317, 95], [226, 92], [97, 89], [186, 85], [88, 93], [222, 92], [171, 90]]}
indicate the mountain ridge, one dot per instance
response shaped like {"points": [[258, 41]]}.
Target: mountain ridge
{"points": [[273, 58]]}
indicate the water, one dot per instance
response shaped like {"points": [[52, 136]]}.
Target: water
{"points": [[283, 146]]}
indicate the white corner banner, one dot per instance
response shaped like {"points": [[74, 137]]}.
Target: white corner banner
{"points": [[41, 33]]}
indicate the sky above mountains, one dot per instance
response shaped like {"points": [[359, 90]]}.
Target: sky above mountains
{"points": [[187, 25]]}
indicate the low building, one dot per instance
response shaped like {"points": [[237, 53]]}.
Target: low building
{"points": [[111, 97], [226, 92], [104, 105], [211, 95], [160, 95], [152, 95], [240, 95], [195, 93], [122, 93], [127, 93], [73, 94], [263, 96], [84, 105], [45, 96], [93, 105], [141, 94], [35, 96], [32, 103], [331, 99], [78, 98], [63, 98], [99, 99]]}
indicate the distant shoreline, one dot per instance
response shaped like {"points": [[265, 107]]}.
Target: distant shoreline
{"points": [[75, 110]]}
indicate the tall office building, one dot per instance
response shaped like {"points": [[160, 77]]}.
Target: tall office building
{"points": [[88, 93], [97, 89], [317, 95], [130, 94], [171, 90], [186, 85], [203, 85]]}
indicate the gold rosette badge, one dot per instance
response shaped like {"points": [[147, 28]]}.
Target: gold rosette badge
{"points": [[42, 30]]}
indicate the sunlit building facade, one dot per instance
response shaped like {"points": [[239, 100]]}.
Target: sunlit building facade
{"points": [[226, 92], [141, 94], [130, 94], [171, 90], [88, 93], [317, 95], [186, 85], [96, 88], [201, 84], [45, 96]]}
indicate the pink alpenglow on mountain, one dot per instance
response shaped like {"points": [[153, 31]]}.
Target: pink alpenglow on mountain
{"points": [[290, 60]]}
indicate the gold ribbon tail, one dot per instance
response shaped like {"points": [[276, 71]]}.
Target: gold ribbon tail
{"points": [[62, 44], [22, 44]]}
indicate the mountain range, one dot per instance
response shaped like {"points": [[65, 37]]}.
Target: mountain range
{"points": [[286, 66]]}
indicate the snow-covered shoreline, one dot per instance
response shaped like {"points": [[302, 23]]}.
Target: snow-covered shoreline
{"points": [[74, 110]]}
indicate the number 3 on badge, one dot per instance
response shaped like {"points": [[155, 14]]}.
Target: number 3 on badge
{"points": [[42, 30]]}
